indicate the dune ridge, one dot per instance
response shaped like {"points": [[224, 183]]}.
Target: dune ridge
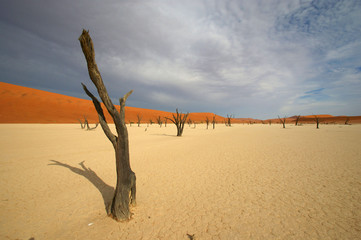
{"points": [[28, 105]]}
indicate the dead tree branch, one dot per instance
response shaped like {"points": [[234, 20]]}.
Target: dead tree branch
{"points": [[125, 191], [179, 120]]}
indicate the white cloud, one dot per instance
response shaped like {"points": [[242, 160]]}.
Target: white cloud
{"points": [[226, 55]]}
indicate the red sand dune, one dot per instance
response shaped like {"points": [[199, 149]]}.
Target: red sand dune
{"points": [[27, 105], [324, 119]]}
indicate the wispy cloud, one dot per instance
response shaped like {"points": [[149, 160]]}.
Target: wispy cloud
{"points": [[248, 58]]}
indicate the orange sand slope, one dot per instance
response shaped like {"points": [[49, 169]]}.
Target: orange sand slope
{"points": [[27, 105], [241, 182]]}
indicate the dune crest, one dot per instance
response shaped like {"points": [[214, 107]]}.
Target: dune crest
{"points": [[27, 105]]}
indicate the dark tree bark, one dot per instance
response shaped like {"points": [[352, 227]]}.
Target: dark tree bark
{"points": [[179, 120], [82, 124], [283, 121], [317, 120], [125, 191], [189, 122], [139, 117], [214, 121], [91, 128], [297, 119], [347, 121], [159, 121], [228, 122], [207, 122], [270, 122]]}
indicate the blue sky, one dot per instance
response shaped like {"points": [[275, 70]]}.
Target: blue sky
{"points": [[248, 58]]}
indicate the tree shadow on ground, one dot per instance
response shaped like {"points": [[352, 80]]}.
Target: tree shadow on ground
{"points": [[106, 190]]}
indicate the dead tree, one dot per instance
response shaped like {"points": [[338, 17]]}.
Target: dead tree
{"points": [[297, 119], [139, 118], [347, 121], [151, 121], [214, 121], [270, 122], [283, 121], [207, 122], [159, 121], [91, 128], [228, 122], [165, 122], [125, 191], [86, 124], [179, 120], [82, 124], [189, 122], [317, 120]]}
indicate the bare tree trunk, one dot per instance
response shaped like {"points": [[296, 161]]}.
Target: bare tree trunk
{"points": [[228, 122], [317, 120], [214, 121], [82, 124], [159, 121], [283, 121], [179, 120], [125, 191], [297, 119], [189, 122], [91, 128], [207, 122], [139, 117]]}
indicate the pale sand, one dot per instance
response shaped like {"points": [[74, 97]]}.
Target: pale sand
{"points": [[240, 182]]}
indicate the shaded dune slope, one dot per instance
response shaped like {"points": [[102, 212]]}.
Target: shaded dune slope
{"points": [[27, 105]]}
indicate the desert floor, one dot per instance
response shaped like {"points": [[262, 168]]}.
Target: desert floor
{"points": [[239, 182]]}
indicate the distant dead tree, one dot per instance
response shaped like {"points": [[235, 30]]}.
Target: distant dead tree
{"points": [[270, 122], [159, 121], [86, 124], [189, 122], [317, 120], [228, 121], [165, 122], [297, 119], [91, 128], [125, 190], [214, 121], [207, 122], [347, 121], [283, 121], [82, 124], [179, 120], [139, 119], [151, 121]]}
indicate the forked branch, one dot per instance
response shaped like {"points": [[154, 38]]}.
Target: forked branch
{"points": [[101, 116]]}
